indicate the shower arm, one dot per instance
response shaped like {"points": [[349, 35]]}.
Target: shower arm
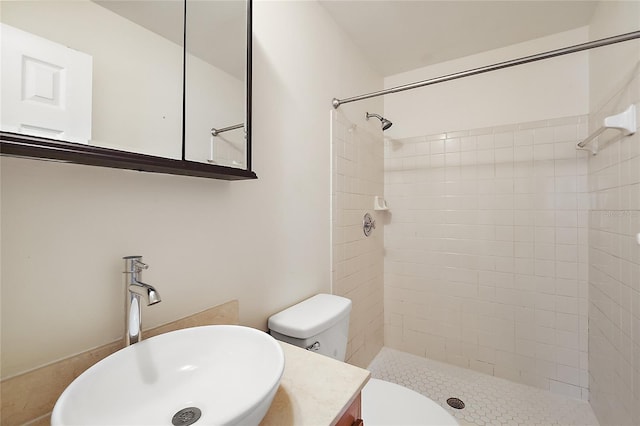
{"points": [[524, 60]]}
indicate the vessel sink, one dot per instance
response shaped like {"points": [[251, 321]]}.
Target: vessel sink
{"points": [[210, 375]]}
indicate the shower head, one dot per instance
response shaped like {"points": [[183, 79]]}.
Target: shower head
{"points": [[383, 121]]}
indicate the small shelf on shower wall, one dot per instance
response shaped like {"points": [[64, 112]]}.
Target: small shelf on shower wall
{"points": [[380, 204], [624, 122]]}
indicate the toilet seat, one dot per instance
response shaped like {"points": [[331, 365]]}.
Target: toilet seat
{"points": [[386, 403]]}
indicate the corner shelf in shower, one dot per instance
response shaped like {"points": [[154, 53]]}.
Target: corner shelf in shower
{"points": [[380, 204], [624, 122]]}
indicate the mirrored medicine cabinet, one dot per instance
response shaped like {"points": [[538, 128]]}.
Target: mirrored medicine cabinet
{"points": [[153, 85]]}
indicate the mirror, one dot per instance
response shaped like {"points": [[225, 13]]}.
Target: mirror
{"points": [[92, 76], [215, 71], [101, 82]]}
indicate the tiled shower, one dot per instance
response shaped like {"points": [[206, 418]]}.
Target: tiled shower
{"points": [[486, 255], [614, 266], [357, 176], [505, 250]]}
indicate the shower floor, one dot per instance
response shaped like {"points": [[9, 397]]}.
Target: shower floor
{"points": [[488, 400]]}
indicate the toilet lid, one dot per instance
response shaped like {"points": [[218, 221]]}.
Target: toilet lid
{"points": [[385, 403]]}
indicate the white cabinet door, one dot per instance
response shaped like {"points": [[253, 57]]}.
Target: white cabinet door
{"points": [[45, 87]]}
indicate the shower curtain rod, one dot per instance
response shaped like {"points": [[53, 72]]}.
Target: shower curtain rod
{"points": [[524, 60]]}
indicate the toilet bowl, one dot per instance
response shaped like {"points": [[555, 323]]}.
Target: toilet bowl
{"points": [[321, 324]]}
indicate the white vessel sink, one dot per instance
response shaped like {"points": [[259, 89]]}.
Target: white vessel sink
{"points": [[229, 373]]}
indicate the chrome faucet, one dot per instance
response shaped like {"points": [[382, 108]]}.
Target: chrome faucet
{"points": [[134, 288]]}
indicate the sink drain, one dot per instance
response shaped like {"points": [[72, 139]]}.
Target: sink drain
{"points": [[455, 403], [186, 416]]}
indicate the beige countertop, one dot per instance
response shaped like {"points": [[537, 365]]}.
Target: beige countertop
{"points": [[314, 390]]}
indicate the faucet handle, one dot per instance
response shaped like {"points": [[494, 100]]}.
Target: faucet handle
{"points": [[133, 264], [139, 266]]}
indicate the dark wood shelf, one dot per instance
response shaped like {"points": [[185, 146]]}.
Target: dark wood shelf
{"points": [[16, 145]]}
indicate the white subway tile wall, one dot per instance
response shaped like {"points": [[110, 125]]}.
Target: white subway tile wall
{"points": [[614, 268], [486, 251], [357, 176]]}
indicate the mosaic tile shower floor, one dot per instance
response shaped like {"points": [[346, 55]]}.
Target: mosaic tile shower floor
{"points": [[488, 400]]}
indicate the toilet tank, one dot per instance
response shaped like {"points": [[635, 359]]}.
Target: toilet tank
{"points": [[320, 324]]}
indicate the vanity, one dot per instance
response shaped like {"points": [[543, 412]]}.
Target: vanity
{"points": [[211, 375], [313, 390], [221, 374], [316, 390]]}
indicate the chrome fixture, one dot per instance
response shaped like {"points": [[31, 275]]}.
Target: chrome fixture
{"points": [[135, 288], [368, 224], [314, 347], [383, 121], [216, 132], [498, 66]]}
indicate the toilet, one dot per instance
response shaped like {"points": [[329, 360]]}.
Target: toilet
{"points": [[321, 324]]}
